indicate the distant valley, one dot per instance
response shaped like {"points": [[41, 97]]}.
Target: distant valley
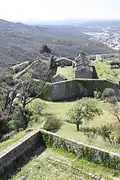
{"points": [[20, 42]]}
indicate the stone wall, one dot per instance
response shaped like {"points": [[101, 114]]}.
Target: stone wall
{"points": [[9, 157], [69, 89], [63, 90], [20, 67], [91, 153], [10, 154], [84, 73], [64, 61]]}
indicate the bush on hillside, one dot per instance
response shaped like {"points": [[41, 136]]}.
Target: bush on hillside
{"points": [[90, 133], [38, 107], [45, 49], [52, 123], [4, 118], [109, 95], [110, 133], [108, 92], [116, 112], [36, 120], [21, 117]]}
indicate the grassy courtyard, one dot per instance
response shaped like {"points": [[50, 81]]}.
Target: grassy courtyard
{"points": [[62, 109], [66, 71], [58, 165]]}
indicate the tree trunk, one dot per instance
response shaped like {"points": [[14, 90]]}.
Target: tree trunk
{"points": [[78, 128]]}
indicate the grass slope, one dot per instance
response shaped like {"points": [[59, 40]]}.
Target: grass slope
{"points": [[13, 139], [104, 71], [61, 110], [66, 71], [57, 165]]}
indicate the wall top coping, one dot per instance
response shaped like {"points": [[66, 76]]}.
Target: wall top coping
{"points": [[16, 144], [33, 133], [80, 143], [83, 80]]}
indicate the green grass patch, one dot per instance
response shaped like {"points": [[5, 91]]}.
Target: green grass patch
{"points": [[104, 71], [69, 131], [66, 71], [26, 75], [61, 110], [101, 68]]}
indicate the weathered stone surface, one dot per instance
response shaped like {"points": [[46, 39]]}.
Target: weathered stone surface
{"points": [[77, 88], [82, 67], [58, 78], [15, 150], [63, 61]]}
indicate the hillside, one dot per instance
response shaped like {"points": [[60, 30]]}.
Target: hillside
{"points": [[19, 42]]}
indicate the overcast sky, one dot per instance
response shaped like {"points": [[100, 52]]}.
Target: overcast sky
{"points": [[22, 10]]}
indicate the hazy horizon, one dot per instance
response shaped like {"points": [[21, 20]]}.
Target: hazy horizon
{"points": [[56, 10]]}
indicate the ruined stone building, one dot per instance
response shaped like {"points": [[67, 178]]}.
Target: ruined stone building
{"points": [[98, 57], [82, 67]]}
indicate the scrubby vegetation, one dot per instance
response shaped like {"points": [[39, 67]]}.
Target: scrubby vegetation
{"points": [[52, 123]]}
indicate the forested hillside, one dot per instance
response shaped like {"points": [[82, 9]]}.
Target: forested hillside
{"points": [[19, 42]]}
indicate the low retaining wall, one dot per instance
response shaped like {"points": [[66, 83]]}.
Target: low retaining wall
{"points": [[9, 157], [16, 150], [91, 153]]}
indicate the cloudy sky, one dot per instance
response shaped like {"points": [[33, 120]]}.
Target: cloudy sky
{"points": [[22, 10]]}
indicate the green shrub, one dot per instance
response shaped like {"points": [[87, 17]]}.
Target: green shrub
{"points": [[36, 119], [52, 123], [45, 49], [110, 133], [38, 107], [109, 95], [90, 133], [21, 117], [4, 119], [116, 111]]}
